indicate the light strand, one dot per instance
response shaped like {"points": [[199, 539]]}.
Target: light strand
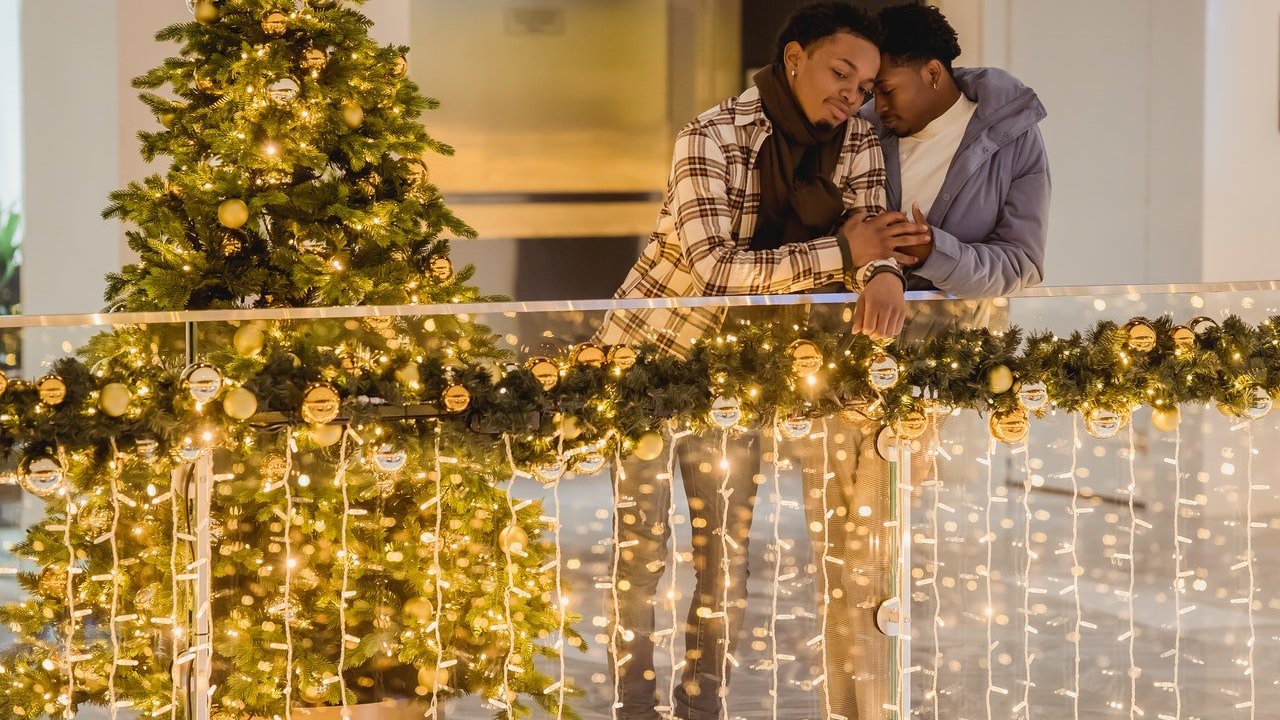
{"points": [[287, 612], [826, 560], [935, 477], [177, 480], [1075, 566], [1134, 710], [561, 600], [115, 580], [346, 573], [674, 591], [1027, 655], [69, 711], [619, 475], [989, 539], [777, 570], [434, 711], [508, 618], [1178, 580], [725, 492], [1251, 671]]}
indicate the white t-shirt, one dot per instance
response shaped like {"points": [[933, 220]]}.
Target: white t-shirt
{"points": [[926, 156]]}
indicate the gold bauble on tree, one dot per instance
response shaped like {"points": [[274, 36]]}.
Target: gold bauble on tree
{"points": [[649, 446], [352, 114], [419, 609], [1166, 419], [806, 358], [912, 425], [233, 213], [1184, 338], [4, 382], [999, 379], [326, 435], [314, 59], [114, 399], [883, 372], [1141, 335], [205, 11], [249, 339], [623, 357], [441, 269], [52, 390], [456, 399], [513, 539], [588, 354], [320, 404], [275, 24], [1010, 427], [240, 404], [544, 371], [430, 679]]}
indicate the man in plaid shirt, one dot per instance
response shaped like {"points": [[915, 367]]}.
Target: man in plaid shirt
{"points": [[779, 190]]}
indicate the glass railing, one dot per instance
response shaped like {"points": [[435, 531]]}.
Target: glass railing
{"points": [[465, 511]]}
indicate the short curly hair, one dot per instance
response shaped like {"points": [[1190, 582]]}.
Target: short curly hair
{"points": [[915, 34], [814, 23]]}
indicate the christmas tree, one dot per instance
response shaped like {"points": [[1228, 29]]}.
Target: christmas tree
{"points": [[356, 555]]}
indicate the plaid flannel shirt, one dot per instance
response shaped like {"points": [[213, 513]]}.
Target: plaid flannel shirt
{"points": [[700, 246]]}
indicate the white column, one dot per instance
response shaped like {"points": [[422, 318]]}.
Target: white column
{"points": [[10, 105]]}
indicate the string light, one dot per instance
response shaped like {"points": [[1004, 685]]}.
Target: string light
{"points": [[1076, 569], [777, 569], [438, 501], [114, 466], [619, 476], [288, 575], [178, 487], [72, 614], [1251, 669], [989, 539], [824, 678], [935, 479], [507, 551], [562, 602], [1029, 555], [345, 553], [725, 492], [1134, 710]]}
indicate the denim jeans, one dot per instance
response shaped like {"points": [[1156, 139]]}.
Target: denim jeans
{"points": [[718, 498]]}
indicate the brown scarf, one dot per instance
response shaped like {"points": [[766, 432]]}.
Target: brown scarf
{"points": [[798, 200]]}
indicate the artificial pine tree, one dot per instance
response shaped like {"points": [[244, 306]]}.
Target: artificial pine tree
{"points": [[297, 178]]}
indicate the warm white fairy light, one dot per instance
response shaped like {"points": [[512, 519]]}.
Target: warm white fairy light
{"points": [[345, 554], [507, 618], [1251, 669], [674, 591], [562, 602], [1134, 710], [115, 579], [988, 539], [619, 475], [826, 561], [935, 478], [1029, 556], [777, 570], [1076, 570], [438, 501], [177, 489], [725, 492], [287, 612], [72, 615]]}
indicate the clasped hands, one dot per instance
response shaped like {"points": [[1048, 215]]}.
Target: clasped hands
{"points": [[882, 306]]}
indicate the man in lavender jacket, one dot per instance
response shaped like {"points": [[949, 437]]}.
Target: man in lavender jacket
{"points": [[964, 156]]}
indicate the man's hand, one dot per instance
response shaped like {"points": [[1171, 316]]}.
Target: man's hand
{"points": [[888, 235], [882, 308], [919, 252]]}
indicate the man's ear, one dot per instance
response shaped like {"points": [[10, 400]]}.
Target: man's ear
{"points": [[933, 72], [791, 54]]}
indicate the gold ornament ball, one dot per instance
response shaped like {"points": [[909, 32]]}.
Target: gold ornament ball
{"points": [[911, 426], [313, 694], [321, 404], [352, 115], [1184, 338], [206, 12], [249, 340], [410, 374], [456, 398], [569, 426], [513, 539], [1010, 427], [649, 446], [623, 357], [233, 213], [588, 354], [806, 358], [326, 435], [52, 389], [240, 404], [114, 399], [1166, 419], [544, 371], [429, 678], [999, 380], [4, 382], [420, 609], [1142, 336], [275, 24], [441, 269]]}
